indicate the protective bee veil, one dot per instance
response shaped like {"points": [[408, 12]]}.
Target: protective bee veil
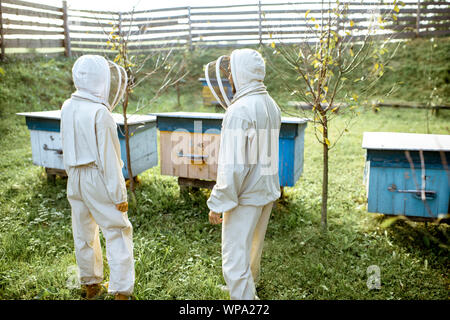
{"points": [[118, 84], [218, 78]]}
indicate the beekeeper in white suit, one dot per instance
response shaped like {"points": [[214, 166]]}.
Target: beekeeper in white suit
{"points": [[247, 180], [96, 187]]}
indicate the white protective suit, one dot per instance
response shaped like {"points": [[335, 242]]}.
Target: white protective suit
{"points": [[247, 180], [96, 184]]}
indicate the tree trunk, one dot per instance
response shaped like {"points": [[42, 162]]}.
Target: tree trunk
{"points": [[325, 176], [127, 141]]}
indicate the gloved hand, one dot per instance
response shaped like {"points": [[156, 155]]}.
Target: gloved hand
{"points": [[214, 217], [122, 206]]}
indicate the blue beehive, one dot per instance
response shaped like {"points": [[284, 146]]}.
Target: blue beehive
{"points": [[46, 144], [406, 174], [202, 133]]}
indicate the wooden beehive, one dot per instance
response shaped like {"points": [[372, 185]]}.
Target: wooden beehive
{"points": [[190, 141], [46, 144], [407, 174]]}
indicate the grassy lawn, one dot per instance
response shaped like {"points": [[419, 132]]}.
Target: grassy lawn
{"points": [[177, 251]]}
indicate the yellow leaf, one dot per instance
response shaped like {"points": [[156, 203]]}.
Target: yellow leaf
{"points": [[376, 66], [2, 71], [327, 142], [272, 44], [307, 12], [355, 97], [396, 8], [334, 109], [316, 26], [352, 23]]}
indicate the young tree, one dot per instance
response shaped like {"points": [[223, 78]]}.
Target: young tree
{"points": [[142, 62], [334, 67]]}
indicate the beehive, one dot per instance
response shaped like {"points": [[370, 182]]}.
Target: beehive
{"points": [[190, 141], [407, 174], [46, 144]]}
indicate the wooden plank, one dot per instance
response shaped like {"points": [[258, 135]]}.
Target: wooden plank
{"points": [[161, 10], [226, 27], [137, 19], [225, 13], [31, 23], [31, 13], [11, 31], [198, 169], [73, 23], [73, 15], [165, 143], [211, 145], [223, 7], [33, 5], [33, 43], [135, 33]]}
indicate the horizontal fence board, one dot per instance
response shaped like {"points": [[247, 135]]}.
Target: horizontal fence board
{"points": [[11, 31], [30, 23], [223, 7], [77, 15], [33, 43], [138, 19], [90, 24], [161, 10], [31, 13], [32, 5], [222, 13]]}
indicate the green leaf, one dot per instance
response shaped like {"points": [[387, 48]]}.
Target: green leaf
{"points": [[2, 71]]}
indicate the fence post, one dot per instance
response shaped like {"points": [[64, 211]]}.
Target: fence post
{"points": [[260, 22], [190, 28], [418, 19], [67, 48], [2, 39]]}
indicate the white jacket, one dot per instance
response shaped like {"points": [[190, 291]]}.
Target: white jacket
{"points": [[88, 130], [247, 171]]}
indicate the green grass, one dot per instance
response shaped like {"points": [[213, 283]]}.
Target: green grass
{"points": [[177, 251]]}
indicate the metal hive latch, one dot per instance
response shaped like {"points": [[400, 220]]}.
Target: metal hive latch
{"points": [[58, 151], [429, 194]]}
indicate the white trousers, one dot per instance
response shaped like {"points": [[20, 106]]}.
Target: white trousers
{"points": [[91, 208], [243, 232]]}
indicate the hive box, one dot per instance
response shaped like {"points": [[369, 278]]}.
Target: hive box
{"points": [[406, 174], [190, 141], [47, 149]]}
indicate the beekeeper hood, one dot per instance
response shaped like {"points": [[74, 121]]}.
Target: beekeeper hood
{"points": [[99, 80], [246, 69]]}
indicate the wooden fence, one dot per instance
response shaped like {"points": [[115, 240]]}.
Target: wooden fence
{"points": [[33, 27]]}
